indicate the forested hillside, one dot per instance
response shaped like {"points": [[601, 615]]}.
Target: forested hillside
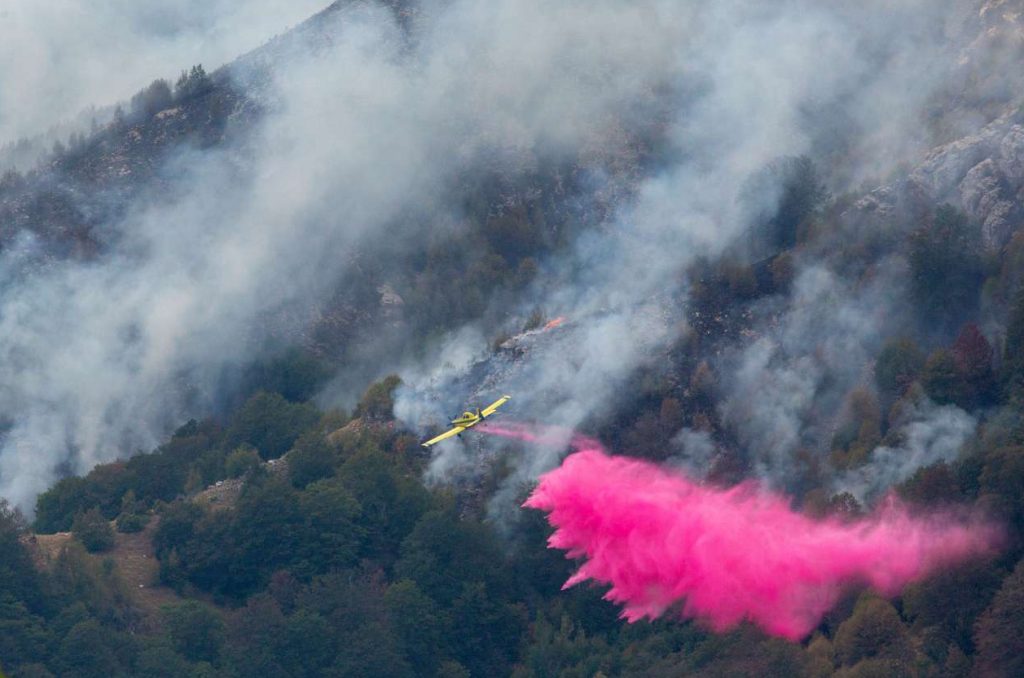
{"points": [[775, 248], [338, 560]]}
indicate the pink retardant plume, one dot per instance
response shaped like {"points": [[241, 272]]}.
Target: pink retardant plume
{"points": [[728, 555]]}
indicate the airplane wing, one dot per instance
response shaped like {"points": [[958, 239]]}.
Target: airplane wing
{"points": [[444, 436], [493, 407]]}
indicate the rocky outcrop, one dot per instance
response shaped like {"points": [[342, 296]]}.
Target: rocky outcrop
{"points": [[980, 167], [983, 173]]}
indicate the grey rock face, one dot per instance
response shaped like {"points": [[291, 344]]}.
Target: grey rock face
{"points": [[987, 196], [983, 173], [992, 189]]}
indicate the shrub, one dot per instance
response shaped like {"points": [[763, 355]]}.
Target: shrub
{"points": [[241, 461], [270, 423], [898, 365], [311, 459], [378, 401], [132, 522], [93, 530]]}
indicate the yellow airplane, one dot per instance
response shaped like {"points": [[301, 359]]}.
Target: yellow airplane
{"points": [[468, 420]]}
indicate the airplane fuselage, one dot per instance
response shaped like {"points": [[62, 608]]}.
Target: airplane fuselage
{"points": [[468, 419]]}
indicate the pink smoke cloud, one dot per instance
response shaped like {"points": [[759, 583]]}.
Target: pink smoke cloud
{"points": [[659, 539]]}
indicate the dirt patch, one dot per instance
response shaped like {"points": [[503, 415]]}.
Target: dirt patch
{"points": [[139, 568], [134, 560], [133, 555], [221, 495], [46, 547], [356, 428], [224, 494]]}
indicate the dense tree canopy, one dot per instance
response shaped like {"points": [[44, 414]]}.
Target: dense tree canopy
{"points": [[946, 267]]}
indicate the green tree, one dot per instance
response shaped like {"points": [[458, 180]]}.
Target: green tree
{"points": [[163, 475], [946, 267], [177, 526], [152, 100], [92, 583], [308, 645], [972, 353], [1012, 372], [24, 637], [265, 535], [878, 668], [295, 374], [195, 630], [192, 84], [256, 632], [443, 552], [999, 633], [422, 628], [209, 467], [312, 459], [270, 423], [93, 531], [932, 485], [332, 533], [87, 652], [453, 669], [803, 195], [565, 650], [950, 601], [157, 658], [369, 651], [514, 233], [377, 402], [56, 508], [131, 519], [34, 670], [245, 458], [354, 606], [1002, 483], [861, 431], [874, 630], [129, 523], [391, 501], [897, 366], [490, 631], [942, 380], [19, 579]]}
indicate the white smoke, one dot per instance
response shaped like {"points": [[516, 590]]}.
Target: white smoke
{"points": [[375, 124], [58, 58], [696, 451], [365, 137], [754, 83], [930, 434], [784, 389]]}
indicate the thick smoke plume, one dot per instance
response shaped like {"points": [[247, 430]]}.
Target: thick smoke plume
{"points": [[58, 58], [369, 132], [930, 434], [748, 84], [365, 138], [726, 556]]}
